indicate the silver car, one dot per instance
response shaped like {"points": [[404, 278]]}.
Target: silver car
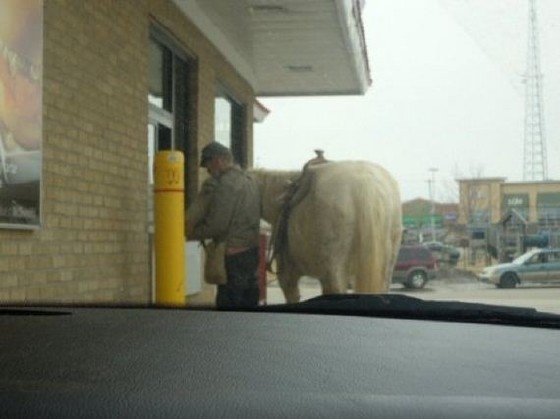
{"points": [[539, 266]]}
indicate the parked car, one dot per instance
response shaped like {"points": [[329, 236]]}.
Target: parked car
{"points": [[538, 265], [415, 266], [444, 253]]}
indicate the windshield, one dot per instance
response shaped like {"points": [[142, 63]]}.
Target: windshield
{"points": [[524, 258], [211, 153]]}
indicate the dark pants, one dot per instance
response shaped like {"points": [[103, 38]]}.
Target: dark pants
{"points": [[241, 289]]}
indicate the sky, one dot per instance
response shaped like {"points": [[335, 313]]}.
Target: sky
{"points": [[447, 94]]}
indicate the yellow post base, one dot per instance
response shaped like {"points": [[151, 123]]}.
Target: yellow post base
{"points": [[169, 217]]}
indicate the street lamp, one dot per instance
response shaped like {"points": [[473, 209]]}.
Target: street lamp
{"points": [[432, 198]]}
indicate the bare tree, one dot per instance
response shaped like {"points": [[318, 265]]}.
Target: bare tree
{"points": [[472, 194]]}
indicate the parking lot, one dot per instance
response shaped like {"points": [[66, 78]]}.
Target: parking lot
{"points": [[544, 297]]}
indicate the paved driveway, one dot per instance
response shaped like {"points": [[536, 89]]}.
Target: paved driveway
{"points": [[544, 298]]}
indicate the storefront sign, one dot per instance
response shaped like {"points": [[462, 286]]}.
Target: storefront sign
{"points": [[21, 86], [410, 221], [520, 200]]}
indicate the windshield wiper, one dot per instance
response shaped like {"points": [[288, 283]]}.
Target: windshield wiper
{"points": [[405, 307]]}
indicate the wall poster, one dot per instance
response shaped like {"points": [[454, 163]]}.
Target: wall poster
{"points": [[21, 87]]}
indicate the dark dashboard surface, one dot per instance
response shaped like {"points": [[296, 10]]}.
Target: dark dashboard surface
{"points": [[153, 362]]}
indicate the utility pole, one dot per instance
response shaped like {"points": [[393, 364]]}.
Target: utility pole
{"points": [[534, 153], [432, 198]]}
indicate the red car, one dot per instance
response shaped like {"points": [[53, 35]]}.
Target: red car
{"points": [[415, 266]]}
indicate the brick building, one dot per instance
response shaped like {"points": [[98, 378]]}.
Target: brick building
{"points": [[115, 81], [417, 220], [417, 213]]}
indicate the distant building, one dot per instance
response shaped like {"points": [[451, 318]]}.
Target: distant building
{"points": [[417, 219], [504, 219], [484, 201], [417, 213]]}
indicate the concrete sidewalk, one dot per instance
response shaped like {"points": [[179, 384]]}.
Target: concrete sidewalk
{"points": [[274, 294]]}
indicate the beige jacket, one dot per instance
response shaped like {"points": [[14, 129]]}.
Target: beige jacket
{"points": [[227, 208]]}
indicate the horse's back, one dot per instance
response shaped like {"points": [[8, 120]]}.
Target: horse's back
{"points": [[347, 222], [348, 184]]}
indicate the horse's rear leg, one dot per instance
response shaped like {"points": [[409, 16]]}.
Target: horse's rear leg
{"points": [[290, 288], [334, 282]]}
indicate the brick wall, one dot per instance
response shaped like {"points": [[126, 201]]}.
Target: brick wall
{"points": [[93, 244]]}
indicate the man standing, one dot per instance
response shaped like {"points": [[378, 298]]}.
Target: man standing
{"points": [[230, 212]]}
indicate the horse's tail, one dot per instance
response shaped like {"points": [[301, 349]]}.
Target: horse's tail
{"points": [[378, 235]]}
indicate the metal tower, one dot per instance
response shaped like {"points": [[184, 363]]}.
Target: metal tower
{"points": [[534, 156]]}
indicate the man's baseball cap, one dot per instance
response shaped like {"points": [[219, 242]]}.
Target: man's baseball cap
{"points": [[212, 150]]}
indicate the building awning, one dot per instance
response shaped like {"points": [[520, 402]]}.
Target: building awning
{"points": [[288, 47], [260, 112]]}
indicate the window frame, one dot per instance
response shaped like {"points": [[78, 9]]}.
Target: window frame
{"points": [[188, 145], [238, 141]]}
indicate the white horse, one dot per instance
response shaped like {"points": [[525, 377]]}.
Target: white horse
{"points": [[341, 225]]}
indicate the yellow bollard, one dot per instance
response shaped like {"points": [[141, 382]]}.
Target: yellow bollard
{"points": [[169, 217]]}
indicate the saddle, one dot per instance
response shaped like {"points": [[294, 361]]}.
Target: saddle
{"points": [[296, 192]]}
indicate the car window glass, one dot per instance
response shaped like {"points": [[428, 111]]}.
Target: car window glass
{"points": [[404, 254], [533, 259], [438, 94], [424, 254]]}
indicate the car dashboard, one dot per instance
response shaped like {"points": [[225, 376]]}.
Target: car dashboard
{"points": [[146, 362]]}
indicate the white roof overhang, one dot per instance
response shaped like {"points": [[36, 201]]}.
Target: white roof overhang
{"points": [[288, 47]]}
